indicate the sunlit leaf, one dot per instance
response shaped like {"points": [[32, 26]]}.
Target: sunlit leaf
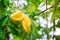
{"points": [[31, 7], [17, 38]]}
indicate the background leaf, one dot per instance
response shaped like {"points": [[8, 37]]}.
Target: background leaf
{"points": [[4, 21], [2, 35]]}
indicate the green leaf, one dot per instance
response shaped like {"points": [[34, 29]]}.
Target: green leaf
{"points": [[46, 30], [24, 34], [49, 1], [45, 14], [12, 30], [28, 1], [57, 37], [3, 21], [2, 9], [13, 24], [37, 35], [17, 38], [31, 7], [2, 35], [58, 24], [5, 12], [53, 16], [56, 13], [35, 28], [36, 25], [37, 2], [6, 2], [35, 17]]}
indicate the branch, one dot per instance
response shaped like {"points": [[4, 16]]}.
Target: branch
{"points": [[53, 29], [46, 9]]}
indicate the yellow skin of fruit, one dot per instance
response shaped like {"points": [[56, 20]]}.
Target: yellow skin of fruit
{"points": [[16, 16], [26, 23], [23, 18]]}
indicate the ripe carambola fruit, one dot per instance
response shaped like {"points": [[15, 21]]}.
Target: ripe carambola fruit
{"points": [[16, 16], [23, 18], [26, 23]]}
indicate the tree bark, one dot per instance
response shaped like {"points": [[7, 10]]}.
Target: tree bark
{"points": [[6, 35]]}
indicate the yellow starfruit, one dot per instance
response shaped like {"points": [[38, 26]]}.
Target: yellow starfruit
{"points": [[16, 16], [26, 23], [23, 18]]}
